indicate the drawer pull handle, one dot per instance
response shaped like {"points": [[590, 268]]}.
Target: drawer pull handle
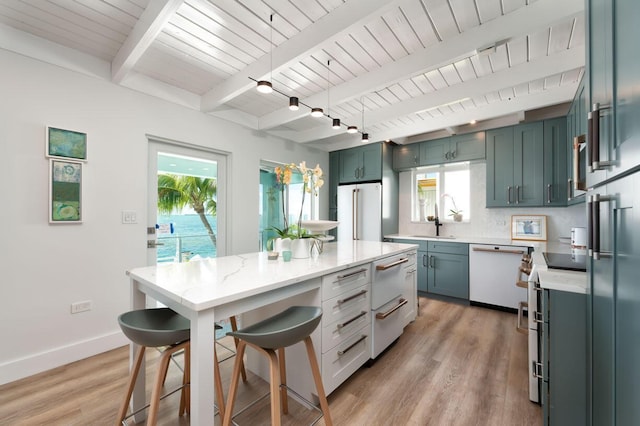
{"points": [[537, 317], [391, 265], [521, 307], [346, 323], [358, 294], [350, 274], [536, 370], [348, 348], [383, 315]]}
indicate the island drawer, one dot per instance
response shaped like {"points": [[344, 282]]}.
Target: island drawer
{"points": [[345, 280], [344, 315], [342, 361]]}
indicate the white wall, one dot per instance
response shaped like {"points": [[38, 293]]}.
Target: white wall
{"points": [[47, 267], [494, 222]]}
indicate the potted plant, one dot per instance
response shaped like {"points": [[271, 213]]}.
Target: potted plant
{"points": [[455, 213]]}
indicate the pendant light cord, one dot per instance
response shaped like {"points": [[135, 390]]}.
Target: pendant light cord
{"points": [[328, 87], [271, 48]]}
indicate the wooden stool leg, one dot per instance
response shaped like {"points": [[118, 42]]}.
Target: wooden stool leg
{"points": [[233, 386], [152, 418], [283, 381], [185, 395], [234, 327], [217, 380], [122, 413], [274, 379], [315, 369]]}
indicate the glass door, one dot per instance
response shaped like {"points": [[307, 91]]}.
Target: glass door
{"points": [[186, 212]]}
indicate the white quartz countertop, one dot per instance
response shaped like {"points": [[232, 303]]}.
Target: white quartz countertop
{"points": [[556, 279], [205, 283], [554, 246]]}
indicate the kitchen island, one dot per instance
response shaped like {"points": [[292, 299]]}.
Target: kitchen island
{"points": [[219, 288]]}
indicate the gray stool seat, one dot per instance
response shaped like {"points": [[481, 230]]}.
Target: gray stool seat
{"points": [[155, 327], [275, 333], [281, 330]]}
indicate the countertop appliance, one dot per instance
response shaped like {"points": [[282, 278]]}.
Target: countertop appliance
{"points": [[579, 238], [491, 273], [360, 212], [566, 261]]}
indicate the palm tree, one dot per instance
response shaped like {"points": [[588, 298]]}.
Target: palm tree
{"points": [[178, 191]]}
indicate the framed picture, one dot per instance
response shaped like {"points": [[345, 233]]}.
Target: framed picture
{"points": [[533, 227], [66, 144], [65, 191]]}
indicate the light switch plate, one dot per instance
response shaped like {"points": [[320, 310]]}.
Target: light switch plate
{"points": [[129, 216]]}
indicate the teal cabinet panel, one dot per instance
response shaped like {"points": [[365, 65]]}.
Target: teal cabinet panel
{"points": [[448, 247], [334, 178], [529, 163], [434, 152], [467, 147], [500, 167], [565, 343], [406, 156], [448, 275], [555, 162], [361, 164], [423, 271]]}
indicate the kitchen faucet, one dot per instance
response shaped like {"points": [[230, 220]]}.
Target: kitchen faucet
{"points": [[438, 225]]}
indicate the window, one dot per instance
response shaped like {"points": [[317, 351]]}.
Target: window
{"points": [[440, 191]]}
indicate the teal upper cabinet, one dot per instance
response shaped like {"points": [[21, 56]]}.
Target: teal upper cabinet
{"points": [[334, 167], [614, 100], [515, 160], [361, 164], [576, 128], [555, 162], [465, 147], [406, 156]]}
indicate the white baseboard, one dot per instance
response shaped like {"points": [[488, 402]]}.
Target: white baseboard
{"points": [[24, 367]]}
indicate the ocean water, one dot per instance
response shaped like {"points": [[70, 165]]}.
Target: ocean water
{"points": [[189, 237]]}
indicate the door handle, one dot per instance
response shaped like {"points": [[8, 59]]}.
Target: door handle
{"points": [[517, 194], [424, 260], [432, 261], [593, 213], [508, 195], [549, 194], [383, 315], [153, 244], [392, 264], [593, 127]]}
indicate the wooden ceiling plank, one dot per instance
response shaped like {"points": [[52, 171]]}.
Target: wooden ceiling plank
{"points": [[419, 21], [150, 24], [511, 5], [499, 59], [450, 75], [288, 11], [442, 18], [205, 55], [398, 24], [538, 44], [360, 55], [475, 89], [256, 15], [489, 9], [112, 25], [311, 8], [465, 13], [560, 36], [465, 69], [368, 42], [128, 6], [217, 29], [345, 59], [114, 12], [343, 19], [517, 23], [517, 48], [387, 39]]}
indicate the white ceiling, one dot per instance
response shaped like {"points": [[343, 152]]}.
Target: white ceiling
{"points": [[414, 66]]}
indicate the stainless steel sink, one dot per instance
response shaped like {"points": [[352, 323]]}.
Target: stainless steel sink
{"points": [[433, 237]]}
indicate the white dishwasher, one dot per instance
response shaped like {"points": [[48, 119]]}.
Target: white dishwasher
{"points": [[492, 275]]}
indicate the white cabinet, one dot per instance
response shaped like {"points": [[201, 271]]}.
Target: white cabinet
{"points": [[410, 290]]}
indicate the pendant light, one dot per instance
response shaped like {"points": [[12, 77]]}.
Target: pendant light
{"points": [[293, 103], [263, 85], [365, 136], [352, 129], [336, 123], [317, 112]]}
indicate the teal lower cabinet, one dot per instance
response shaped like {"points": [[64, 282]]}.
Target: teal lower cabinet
{"points": [[564, 348], [448, 269], [423, 264]]}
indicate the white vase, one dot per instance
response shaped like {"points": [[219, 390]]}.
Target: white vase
{"points": [[301, 248], [457, 217], [282, 244]]}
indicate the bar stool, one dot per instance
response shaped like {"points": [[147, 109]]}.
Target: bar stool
{"points": [[155, 328], [290, 326]]}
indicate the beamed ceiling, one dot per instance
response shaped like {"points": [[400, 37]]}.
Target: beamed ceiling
{"points": [[413, 66]]}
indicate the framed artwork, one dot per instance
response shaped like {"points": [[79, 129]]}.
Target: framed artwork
{"points": [[65, 191], [66, 144], [532, 227]]}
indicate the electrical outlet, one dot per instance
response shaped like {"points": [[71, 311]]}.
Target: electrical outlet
{"points": [[501, 222], [129, 216], [83, 306]]}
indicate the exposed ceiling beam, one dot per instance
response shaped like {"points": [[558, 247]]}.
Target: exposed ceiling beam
{"points": [[151, 22], [536, 100], [352, 14], [510, 77], [521, 22]]}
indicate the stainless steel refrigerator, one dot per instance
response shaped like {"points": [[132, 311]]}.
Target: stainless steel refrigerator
{"points": [[360, 212]]}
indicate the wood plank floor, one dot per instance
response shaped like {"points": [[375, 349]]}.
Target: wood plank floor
{"points": [[455, 365]]}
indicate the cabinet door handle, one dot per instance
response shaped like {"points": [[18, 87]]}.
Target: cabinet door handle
{"points": [[424, 260], [517, 194], [519, 327], [446, 155], [348, 348], [593, 120], [432, 261], [508, 195], [548, 193], [569, 189], [453, 154], [362, 172], [593, 213], [415, 159]]}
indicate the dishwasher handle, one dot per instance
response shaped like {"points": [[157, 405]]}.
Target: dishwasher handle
{"points": [[392, 264], [497, 250]]}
